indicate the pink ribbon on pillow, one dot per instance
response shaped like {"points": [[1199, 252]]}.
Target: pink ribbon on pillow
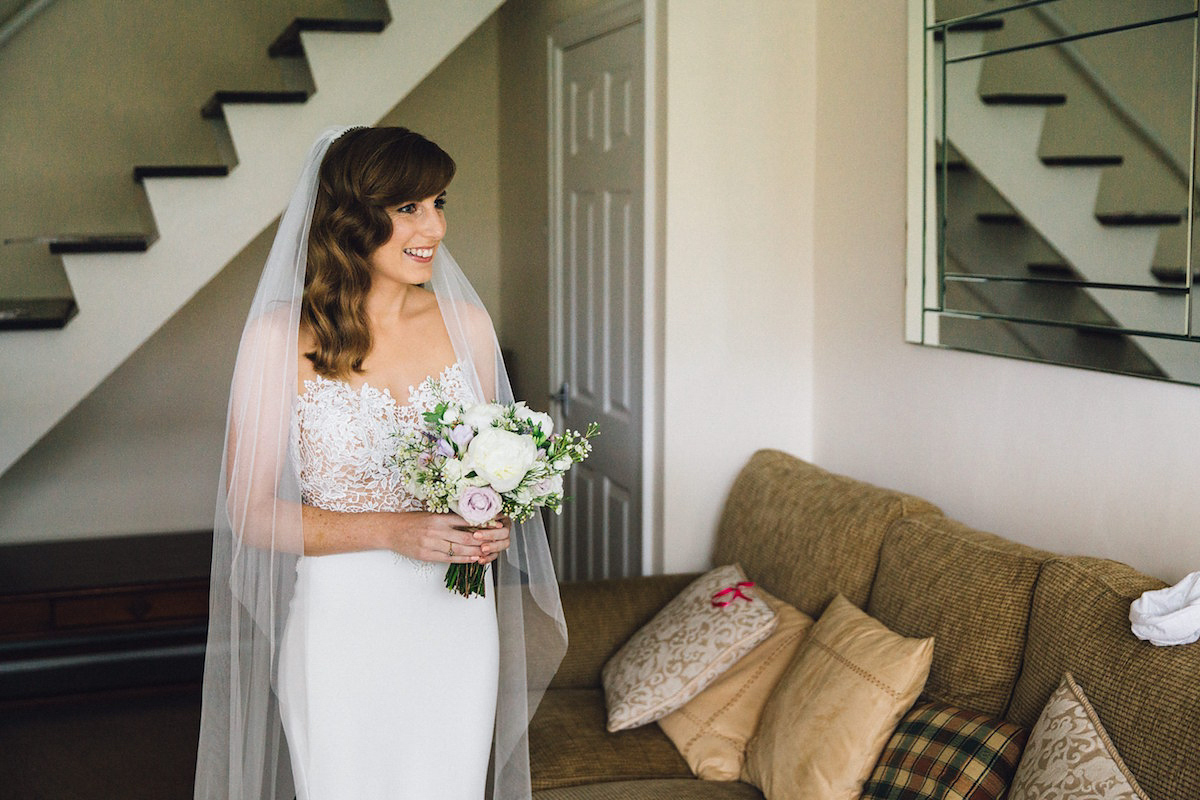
{"points": [[736, 591]]}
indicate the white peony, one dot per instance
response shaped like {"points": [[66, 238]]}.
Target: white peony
{"points": [[537, 418], [482, 415], [501, 457]]}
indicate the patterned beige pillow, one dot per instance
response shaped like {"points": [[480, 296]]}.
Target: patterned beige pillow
{"points": [[1069, 755], [835, 707], [711, 729], [684, 648]]}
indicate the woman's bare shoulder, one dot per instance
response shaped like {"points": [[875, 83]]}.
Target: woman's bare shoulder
{"points": [[272, 328]]}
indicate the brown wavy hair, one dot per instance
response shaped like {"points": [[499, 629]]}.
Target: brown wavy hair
{"points": [[365, 172]]}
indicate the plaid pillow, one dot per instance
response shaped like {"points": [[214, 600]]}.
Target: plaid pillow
{"points": [[940, 752]]}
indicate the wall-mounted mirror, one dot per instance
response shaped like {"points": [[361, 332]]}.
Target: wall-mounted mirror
{"points": [[1052, 182]]}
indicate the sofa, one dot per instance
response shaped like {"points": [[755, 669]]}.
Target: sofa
{"points": [[1007, 620]]}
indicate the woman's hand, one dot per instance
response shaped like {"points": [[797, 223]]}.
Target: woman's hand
{"points": [[494, 539], [447, 538]]}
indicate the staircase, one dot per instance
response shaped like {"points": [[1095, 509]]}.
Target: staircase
{"points": [[1038, 233], [126, 287]]}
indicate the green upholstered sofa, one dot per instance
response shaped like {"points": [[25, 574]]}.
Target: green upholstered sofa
{"points": [[1007, 619]]}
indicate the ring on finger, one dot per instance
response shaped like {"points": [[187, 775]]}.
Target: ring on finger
{"points": [[450, 552]]}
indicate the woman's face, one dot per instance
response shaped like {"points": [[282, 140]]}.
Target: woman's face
{"points": [[417, 231]]}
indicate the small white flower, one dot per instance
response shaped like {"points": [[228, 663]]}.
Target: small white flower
{"points": [[535, 418], [482, 415], [453, 471]]}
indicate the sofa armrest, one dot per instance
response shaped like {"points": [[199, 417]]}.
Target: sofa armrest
{"points": [[602, 615]]}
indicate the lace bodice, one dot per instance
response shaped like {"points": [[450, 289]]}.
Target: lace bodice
{"points": [[344, 439]]}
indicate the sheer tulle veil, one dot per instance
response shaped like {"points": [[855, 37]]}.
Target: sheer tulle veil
{"points": [[257, 538]]}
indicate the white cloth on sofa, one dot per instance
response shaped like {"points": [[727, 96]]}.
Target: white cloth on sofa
{"points": [[1168, 616]]}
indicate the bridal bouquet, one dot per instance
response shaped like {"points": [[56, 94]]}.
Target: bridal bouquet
{"points": [[485, 461]]}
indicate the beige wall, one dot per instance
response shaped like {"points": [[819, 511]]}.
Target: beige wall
{"points": [[141, 453], [739, 267], [1065, 459]]}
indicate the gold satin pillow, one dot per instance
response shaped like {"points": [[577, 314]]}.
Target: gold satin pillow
{"points": [[711, 729], [835, 708], [684, 648]]}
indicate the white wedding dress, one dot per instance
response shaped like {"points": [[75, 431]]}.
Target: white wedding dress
{"points": [[387, 680]]}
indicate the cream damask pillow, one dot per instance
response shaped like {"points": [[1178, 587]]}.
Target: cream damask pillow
{"points": [[684, 648], [1069, 755], [711, 729]]}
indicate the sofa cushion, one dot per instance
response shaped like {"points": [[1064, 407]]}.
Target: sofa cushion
{"points": [[674, 789], [806, 534], [970, 591], [711, 729], [568, 744], [610, 611], [835, 708], [685, 647], [1069, 755], [1147, 696], [941, 751]]}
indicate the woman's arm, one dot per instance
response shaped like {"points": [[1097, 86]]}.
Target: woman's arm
{"points": [[421, 535]]}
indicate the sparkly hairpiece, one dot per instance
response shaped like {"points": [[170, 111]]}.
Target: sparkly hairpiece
{"points": [[348, 130]]}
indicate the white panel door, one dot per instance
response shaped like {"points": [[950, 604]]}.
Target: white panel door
{"points": [[600, 267]]}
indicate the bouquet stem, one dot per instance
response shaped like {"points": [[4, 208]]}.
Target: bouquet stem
{"points": [[468, 580]]}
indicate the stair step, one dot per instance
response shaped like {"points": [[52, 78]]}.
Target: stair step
{"points": [[1082, 161], [101, 243], [1023, 99], [1174, 275], [999, 218], [180, 171], [288, 44], [974, 25], [1135, 218], [214, 108], [37, 313], [1052, 269]]}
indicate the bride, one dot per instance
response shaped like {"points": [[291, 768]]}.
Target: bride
{"points": [[338, 664]]}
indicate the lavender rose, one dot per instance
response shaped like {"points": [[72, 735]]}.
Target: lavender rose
{"points": [[444, 448], [478, 504], [551, 484]]}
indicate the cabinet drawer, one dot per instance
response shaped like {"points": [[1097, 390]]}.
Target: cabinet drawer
{"points": [[24, 616], [123, 607]]}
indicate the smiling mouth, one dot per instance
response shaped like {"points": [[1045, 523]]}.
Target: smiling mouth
{"points": [[419, 252]]}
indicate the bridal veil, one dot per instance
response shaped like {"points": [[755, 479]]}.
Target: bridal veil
{"points": [[257, 537]]}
